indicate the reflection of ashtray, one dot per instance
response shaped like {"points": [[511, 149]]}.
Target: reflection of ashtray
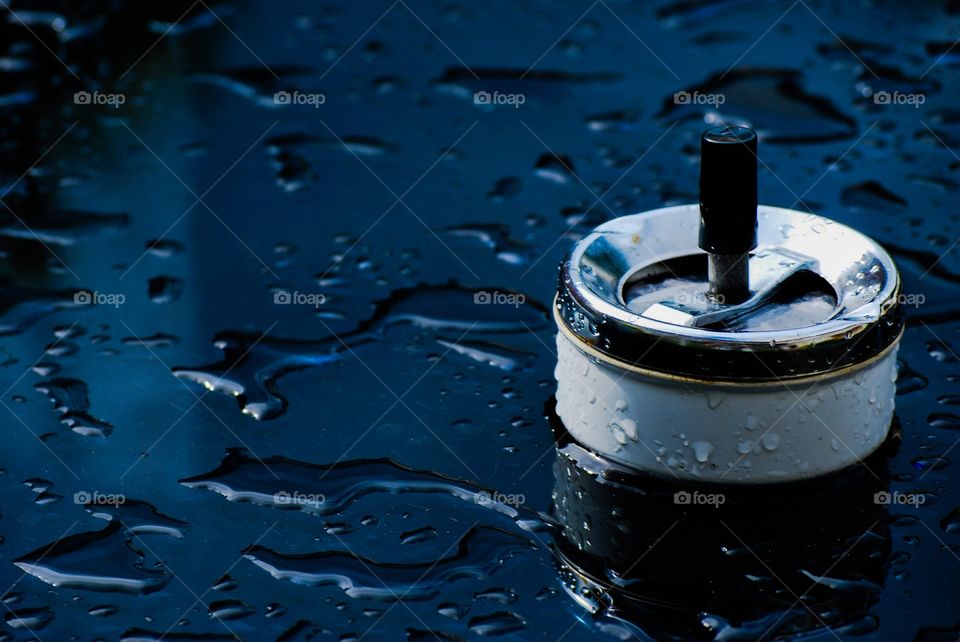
{"points": [[676, 561]]}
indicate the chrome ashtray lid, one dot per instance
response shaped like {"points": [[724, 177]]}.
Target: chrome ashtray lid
{"points": [[610, 283]]}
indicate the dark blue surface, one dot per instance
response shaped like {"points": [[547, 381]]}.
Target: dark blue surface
{"points": [[398, 199]]}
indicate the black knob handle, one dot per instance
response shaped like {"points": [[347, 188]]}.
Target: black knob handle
{"points": [[728, 190]]}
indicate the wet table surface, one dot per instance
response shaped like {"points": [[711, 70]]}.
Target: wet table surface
{"points": [[276, 350]]}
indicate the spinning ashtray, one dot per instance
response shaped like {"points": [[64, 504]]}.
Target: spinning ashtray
{"points": [[728, 342]]}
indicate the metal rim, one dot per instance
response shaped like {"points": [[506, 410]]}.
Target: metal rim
{"points": [[658, 375]]}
